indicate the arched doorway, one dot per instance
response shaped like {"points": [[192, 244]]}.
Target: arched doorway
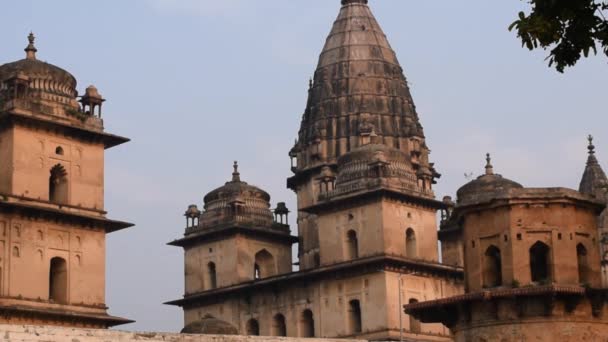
{"points": [[539, 262], [58, 185], [307, 324], [352, 245], [410, 243], [354, 317], [211, 276], [583, 263], [278, 325], [58, 281], [264, 265], [492, 267], [253, 327], [414, 323]]}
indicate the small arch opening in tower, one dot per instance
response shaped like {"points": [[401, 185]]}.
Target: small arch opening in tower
{"points": [[354, 317], [414, 323], [410, 243], [582, 263], [264, 265], [539, 262], [352, 245], [58, 281], [58, 185], [253, 327], [492, 267], [211, 276], [59, 151], [279, 328], [307, 324]]}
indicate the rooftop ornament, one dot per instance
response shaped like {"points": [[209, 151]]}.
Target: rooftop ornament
{"points": [[31, 50], [236, 176], [489, 167]]}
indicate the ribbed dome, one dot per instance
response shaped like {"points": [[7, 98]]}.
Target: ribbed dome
{"points": [[358, 85], [210, 325], [46, 81], [237, 202], [485, 186]]}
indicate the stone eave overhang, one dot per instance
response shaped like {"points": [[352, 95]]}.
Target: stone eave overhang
{"points": [[345, 269], [207, 235], [303, 175], [62, 315], [446, 310], [530, 195], [33, 210], [348, 200], [108, 140]]}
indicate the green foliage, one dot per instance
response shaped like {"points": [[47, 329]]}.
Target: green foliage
{"points": [[515, 284], [76, 113], [571, 29]]}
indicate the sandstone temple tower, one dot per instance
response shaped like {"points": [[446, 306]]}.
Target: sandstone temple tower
{"points": [[52, 221], [367, 228], [532, 262]]}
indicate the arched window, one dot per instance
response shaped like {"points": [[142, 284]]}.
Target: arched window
{"points": [[58, 185], [278, 325], [492, 267], [354, 316], [410, 243], [414, 323], [539, 262], [211, 276], [264, 265], [307, 324], [253, 328], [58, 281], [583, 263], [352, 245], [59, 150]]}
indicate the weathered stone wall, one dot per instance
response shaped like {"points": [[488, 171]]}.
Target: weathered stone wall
{"points": [[24, 333]]}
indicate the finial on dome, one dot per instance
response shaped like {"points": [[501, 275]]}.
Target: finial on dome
{"points": [[310, 84], [236, 176], [489, 167], [591, 147], [31, 50]]}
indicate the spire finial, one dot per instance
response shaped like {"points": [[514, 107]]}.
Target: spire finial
{"points": [[30, 50], [310, 84], [489, 167], [591, 147], [236, 176]]}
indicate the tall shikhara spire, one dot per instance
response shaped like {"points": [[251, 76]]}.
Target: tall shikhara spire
{"points": [[359, 87], [594, 179]]}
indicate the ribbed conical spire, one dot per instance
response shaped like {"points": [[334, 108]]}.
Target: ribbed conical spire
{"points": [[594, 179], [358, 84]]}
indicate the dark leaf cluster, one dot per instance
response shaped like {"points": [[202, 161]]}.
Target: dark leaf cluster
{"points": [[571, 29]]}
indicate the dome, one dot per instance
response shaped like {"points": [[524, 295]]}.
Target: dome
{"points": [[489, 183], [237, 202], [236, 189], [46, 81], [210, 325]]}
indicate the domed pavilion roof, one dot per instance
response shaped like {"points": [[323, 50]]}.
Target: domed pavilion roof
{"points": [[47, 81], [237, 202], [210, 325], [485, 185]]}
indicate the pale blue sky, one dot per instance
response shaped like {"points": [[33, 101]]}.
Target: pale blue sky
{"points": [[199, 83]]}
